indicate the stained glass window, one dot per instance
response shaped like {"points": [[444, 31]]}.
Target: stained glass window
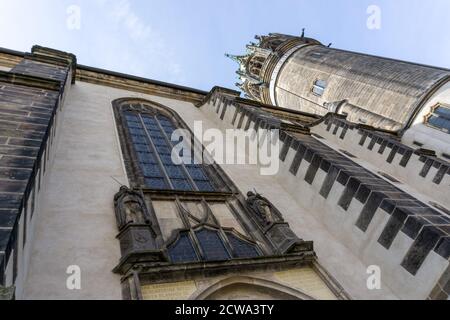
{"points": [[151, 136], [212, 246], [242, 249], [183, 250]]}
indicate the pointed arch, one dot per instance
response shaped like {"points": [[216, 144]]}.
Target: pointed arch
{"points": [[277, 290], [147, 130], [210, 243]]}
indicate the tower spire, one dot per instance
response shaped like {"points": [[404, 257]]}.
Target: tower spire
{"points": [[239, 59]]}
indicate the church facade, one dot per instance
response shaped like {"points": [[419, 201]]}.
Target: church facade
{"points": [[94, 203]]}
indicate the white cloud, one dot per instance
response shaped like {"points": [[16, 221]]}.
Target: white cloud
{"points": [[152, 48]]}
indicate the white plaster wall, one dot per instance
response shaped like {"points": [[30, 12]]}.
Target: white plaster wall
{"points": [[430, 137], [27, 227], [343, 249], [74, 223], [284, 191]]}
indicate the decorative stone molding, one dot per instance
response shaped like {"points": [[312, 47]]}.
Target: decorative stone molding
{"points": [[137, 237], [6, 294], [404, 162], [271, 221]]}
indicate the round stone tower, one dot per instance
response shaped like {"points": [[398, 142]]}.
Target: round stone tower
{"points": [[302, 74]]}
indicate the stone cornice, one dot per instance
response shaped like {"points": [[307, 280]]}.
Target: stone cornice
{"points": [[163, 272], [30, 81], [219, 91], [137, 84], [10, 58]]}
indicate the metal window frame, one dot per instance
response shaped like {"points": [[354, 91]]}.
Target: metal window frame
{"points": [[432, 113], [318, 87]]}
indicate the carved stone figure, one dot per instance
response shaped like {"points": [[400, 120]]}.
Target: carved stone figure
{"points": [[130, 208], [277, 231], [264, 210]]}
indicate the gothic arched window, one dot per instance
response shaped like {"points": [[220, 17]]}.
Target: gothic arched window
{"points": [[146, 130], [210, 244]]}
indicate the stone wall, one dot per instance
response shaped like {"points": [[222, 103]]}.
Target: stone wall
{"points": [[379, 222], [388, 88], [31, 94]]}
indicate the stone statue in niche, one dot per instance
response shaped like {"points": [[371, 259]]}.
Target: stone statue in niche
{"points": [[130, 208], [264, 210], [276, 230], [137, 236]]}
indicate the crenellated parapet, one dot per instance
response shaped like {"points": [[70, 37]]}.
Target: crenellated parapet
{"points": [[379, 220]]}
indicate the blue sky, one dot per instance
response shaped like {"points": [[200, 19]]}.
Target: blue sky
{"points": [[184, 42]]}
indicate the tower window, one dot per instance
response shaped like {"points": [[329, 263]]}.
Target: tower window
{"points": [[439, 118], [319, 87]]}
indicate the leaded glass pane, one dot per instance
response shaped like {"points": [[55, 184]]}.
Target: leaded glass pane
{"points": [[443, 112], [212, 245], [146, 157], [149, 120], [140, 139], [156, 183], [159, 141], [152, 127], [242, 249], [204, 186], [196, 172], [183, 250], [134, 124], [181, 184], [151, 134], [131, 117], [137, 131], [142, 148], [440, 122], [152, 170], [163, 150], [175, 172], [166, 159]]}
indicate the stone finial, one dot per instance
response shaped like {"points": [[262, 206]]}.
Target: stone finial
{"points": [[239, 59]]}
